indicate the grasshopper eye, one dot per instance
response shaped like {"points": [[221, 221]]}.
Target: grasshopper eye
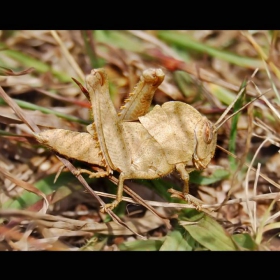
{"points": [[207, 132]]}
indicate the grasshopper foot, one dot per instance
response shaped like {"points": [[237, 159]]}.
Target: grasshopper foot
{"points": [[77, 172], [110, 206], [189, 198]]}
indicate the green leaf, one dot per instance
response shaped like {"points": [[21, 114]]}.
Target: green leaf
{"points": [[245, 240], [46, 185], [217, 175], [209, 233], [175, 241], [141, 245]]}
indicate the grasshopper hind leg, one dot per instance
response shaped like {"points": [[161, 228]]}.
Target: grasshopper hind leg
{"points": [[137, 172]]}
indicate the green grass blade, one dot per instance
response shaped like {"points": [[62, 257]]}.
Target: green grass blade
{"points": [[182, 40], [224, 95], [95, 61], [28, 61], [120, 39], [30, 106], [5, 133], [233, 130]]}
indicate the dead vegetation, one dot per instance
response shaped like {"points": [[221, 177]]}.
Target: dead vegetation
{"points": [[206, 69]]}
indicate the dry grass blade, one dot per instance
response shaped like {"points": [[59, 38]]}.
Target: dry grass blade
{"points": [[267, 101], [271, 81], [261, 53], [247, 179], [252, 168], [27, 186], [260, 197], [254, 224], [67, 54], [8, 118], [31, 242], [71, 100], [264, 220], [29, 122], [8, 72], [219, 121], [59, 222]]}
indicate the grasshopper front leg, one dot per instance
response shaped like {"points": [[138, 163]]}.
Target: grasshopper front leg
{"points": [[106, 124], [180, 167]]}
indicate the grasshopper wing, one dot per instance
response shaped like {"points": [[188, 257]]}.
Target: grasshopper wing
{"points": [[175, 136]]}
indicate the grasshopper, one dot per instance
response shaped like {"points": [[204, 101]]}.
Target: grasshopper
{"points": [[136, 142]]}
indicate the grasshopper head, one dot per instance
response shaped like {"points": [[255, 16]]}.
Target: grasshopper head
{"points": [[206, 139]]}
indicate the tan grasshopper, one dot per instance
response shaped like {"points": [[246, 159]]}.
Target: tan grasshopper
{"points": [[135, 142]]}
